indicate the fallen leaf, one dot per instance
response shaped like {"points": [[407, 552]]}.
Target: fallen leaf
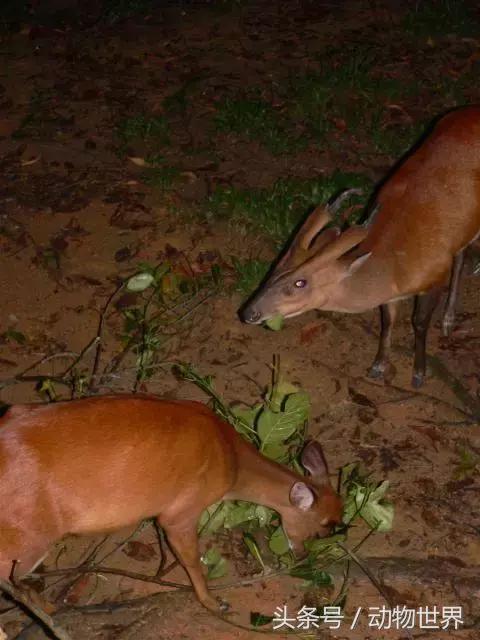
{"points": [[77, 590], [140, 162], [27, 163], [308, 332], [139, 551]]}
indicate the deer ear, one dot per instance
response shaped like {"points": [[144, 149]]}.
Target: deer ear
{"points": [[357, 263], [301, 496], [314, 462]]}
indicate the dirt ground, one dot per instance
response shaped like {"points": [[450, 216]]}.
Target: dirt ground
{"points": [[76, 217]]}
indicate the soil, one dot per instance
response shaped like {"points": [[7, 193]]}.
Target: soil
{"points": [[76, 217]]}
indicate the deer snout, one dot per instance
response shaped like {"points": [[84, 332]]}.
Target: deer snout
{"points": [[250, 315]]}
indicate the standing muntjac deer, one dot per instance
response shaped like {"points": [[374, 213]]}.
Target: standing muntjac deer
{"points": [[427, 213], [101, 463]]}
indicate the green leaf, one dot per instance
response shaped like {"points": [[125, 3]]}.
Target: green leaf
{"points": [[316, 546], [311, 573], [263, 515], [377, 512], [275, 323], [273, 428], [214, 517], [259, 620], [246, 416], [217, 566], [239, 513], [15, 336], [370, 505], [252, 546], [278, 542], [278, 427], [140, 282], [279, 392], [277, 451], [297, 406]]}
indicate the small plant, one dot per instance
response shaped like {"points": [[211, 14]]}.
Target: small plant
{"points": [[38, 117], [167, 295], [12, 335], [468, 464]]}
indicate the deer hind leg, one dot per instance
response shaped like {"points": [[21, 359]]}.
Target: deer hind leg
{"points": [[424, 307], [450, 307], [381, 364]]}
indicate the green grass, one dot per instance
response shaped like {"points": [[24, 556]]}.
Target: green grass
{"points": [[394, 140], [114, 10], [347, 94], [177, 102], [13, 13], [257, 121], [436, 18], [160, 176], [142, 127], [249, 274], [276, 211]]}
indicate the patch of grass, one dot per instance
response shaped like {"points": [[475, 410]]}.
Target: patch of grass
{"points": [[249, 274], [441, 17], [12, 14], [276, 211], [177, 102], [343, 92], [160, 176], [395, 140], [115, 10], [142, 127], [257, 121], [40, 115], [453, 92]]}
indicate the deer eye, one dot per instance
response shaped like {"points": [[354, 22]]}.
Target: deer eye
{"points": [[300, 283]]}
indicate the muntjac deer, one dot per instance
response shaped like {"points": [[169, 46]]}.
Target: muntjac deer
{"points": [[101, 463], [427, 213]]}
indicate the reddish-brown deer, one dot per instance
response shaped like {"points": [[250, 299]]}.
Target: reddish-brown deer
{"points": [[102, 463], [426, 214]]}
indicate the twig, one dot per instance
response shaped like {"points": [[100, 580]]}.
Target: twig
{"points": [[32, 608], [9, 381], [80, 570], [98, 337], [372, 578]]}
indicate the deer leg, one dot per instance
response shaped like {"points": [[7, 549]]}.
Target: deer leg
{"points": [[424, 307], [449, 314], [388, 313], [184, 543]]}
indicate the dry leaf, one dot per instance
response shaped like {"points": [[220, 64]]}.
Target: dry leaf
{"points": [[27, 163], [140, 162], [139, 551]]}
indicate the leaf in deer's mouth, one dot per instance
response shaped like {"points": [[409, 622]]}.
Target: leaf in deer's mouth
{"points": [[275, 323]]}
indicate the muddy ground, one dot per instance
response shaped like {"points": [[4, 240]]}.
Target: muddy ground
{"points": [[77, 216]]}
